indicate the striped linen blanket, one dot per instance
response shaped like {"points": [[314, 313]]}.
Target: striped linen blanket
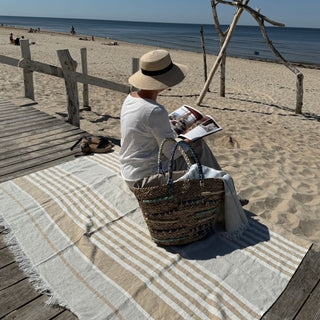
{"points": [[81, 235]]}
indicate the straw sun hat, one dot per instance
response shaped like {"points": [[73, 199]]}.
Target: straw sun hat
{"points": [[157, 71]]}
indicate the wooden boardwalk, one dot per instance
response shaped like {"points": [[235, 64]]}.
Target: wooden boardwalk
{"points": [[32, 140]]}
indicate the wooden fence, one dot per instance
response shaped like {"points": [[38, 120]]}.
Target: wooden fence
{"points": [[66, 71]]}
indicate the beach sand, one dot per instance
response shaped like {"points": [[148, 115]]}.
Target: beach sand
{"points": [[272, 153]]}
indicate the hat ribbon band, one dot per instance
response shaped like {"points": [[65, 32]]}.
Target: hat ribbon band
{"points": [[157, 72]]}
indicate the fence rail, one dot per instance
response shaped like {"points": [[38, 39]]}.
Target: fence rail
{"points": [[66, 71]]}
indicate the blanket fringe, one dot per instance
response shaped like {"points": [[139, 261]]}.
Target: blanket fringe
{"points": [[31, 272]]}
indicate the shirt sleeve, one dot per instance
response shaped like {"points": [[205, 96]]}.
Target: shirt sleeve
{"points": [[161, 129]]}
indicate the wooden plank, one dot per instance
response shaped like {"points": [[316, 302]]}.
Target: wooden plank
{"points": [[6, 257], [101, 82], [42, 68], [17, 113], [10, 275], [33, 121], [34, 144], [299, 288], [35, 133], [28, 118], [4, 106], [49, 162], [29, 127], [6, 110], [6, 102], [37, 309], [37, 154], [16, 296], [311, 309], [10, 61], [41, 134], [36, 161]]}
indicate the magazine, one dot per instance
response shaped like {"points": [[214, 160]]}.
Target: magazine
{"points": [[190, 123]]}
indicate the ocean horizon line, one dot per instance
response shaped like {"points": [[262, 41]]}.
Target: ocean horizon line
{"points": [[160, 22]]}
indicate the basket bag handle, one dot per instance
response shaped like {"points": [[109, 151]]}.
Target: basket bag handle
{"points": [[163, 142], [196, 159]]}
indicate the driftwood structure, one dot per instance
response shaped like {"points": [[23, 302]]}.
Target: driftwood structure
{"points": [[225, 37], [222, 52], [66, 71]]}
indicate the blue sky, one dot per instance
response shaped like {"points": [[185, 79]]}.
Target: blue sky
{"points": [[293, 13]]}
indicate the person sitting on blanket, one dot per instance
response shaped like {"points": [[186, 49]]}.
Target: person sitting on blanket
{"points": [[145, 123]]}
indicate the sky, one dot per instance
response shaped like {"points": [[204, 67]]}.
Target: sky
{"points": [[293, 13]]}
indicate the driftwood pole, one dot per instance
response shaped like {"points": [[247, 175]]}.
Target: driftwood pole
{"points": [[27, 73], [261, 19], [85, 92], [221, 53], [69, 66], [222, 36], [204, 55], [299, 101]]}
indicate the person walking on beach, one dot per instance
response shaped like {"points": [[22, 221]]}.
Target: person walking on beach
{"points": [[73, 30], [11, 38], [145, 122]]}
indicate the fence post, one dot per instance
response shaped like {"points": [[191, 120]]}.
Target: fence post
{"points": [[69, 67], [27, 74], [85, 92], [135, 68], [299, 101]]}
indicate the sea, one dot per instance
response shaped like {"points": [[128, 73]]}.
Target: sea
{"points": [[300, 45]]}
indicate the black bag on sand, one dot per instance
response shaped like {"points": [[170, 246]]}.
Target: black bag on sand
{"points": [[94, 145], [178, 212]]}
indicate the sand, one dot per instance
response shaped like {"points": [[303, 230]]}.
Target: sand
{"points": [[272, 153]]}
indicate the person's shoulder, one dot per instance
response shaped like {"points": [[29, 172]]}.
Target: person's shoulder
{"points": [[158, 110]]}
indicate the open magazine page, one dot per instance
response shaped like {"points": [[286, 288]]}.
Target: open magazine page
{"points": [[183, 118], [203, 127]]}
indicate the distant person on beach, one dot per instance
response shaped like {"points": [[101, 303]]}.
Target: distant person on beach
{"points": [[17, 42], [11, 38], [73, 30]]}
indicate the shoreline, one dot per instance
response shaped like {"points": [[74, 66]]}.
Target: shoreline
{"points": [[296, 64]]}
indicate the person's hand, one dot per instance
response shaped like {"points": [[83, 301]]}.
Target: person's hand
{"points": [[188, 141]]}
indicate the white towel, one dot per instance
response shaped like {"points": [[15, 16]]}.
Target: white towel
{"points": [[234, 217]]}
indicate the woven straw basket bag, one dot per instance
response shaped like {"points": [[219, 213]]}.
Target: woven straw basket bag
{"points": [[178, 212]]}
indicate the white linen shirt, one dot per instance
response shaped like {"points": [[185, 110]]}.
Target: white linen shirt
{"points": [[144, 124]]}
